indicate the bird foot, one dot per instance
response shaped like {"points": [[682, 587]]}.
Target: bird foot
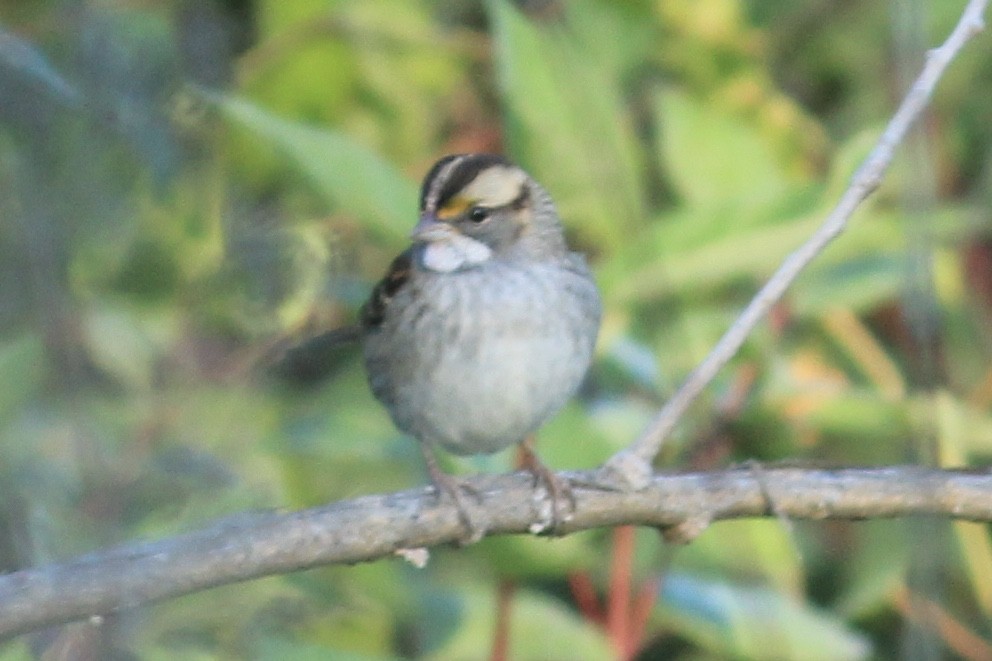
{"points": [[475, 523], [559, 489]]}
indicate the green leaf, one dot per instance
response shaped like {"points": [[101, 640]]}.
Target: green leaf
{"points": [[717, 159], [745, 622], [541, 628], [755, 548], [126, 343], [348, 176], [858, 284], [524, 557], [24, 356], [294, 650], [17, 650], [965, 429], [280, 70], [744, 253], [566, 123], [23, 58], [868, 264], [559, 442], [874, 568]]}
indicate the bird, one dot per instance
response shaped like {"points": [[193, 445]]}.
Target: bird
{"points": [[486, 325]]}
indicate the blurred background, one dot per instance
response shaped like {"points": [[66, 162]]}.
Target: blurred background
{"points": [[189, 189]]}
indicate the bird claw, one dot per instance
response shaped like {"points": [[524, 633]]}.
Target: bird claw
{"points": [[474, 522], [559, 490]]}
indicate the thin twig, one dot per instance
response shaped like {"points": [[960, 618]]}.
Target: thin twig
{"points": [[376, 527], [631, 466]]}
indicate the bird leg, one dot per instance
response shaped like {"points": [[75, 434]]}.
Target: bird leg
{"points": [[559, 488], [448, 485]]}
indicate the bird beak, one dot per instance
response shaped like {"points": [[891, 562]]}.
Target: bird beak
{"points": [[430, 229]]}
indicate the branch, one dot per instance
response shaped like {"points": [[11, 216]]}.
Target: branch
{"points": [[632, 466], [374, 527]]}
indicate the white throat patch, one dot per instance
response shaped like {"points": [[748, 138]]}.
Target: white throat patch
{"points": [[454, 253]]}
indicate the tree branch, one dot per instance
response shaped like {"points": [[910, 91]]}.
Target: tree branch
{"points": [[374, 527], [631, 467]]}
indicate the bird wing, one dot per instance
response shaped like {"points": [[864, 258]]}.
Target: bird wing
{"points": [[373, 313]]}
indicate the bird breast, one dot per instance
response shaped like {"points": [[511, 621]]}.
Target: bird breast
{"points": [[479, 360]]}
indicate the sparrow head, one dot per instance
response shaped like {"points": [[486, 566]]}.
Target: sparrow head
{"points": [[482, 205]]}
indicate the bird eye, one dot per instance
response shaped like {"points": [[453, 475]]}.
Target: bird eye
{"points": [[478, 214]]}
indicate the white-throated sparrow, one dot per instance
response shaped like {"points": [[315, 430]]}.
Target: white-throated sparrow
{"points": [[485, 326]]}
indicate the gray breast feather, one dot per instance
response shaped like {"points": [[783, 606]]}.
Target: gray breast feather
{"points": [[491, 353]]}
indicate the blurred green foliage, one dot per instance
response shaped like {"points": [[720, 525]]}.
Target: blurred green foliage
{"points": [[188, 187]]}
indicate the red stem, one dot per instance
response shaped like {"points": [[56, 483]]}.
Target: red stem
{"points": [[643, 604], [618, 601], [586, 600], [501, 633]]}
